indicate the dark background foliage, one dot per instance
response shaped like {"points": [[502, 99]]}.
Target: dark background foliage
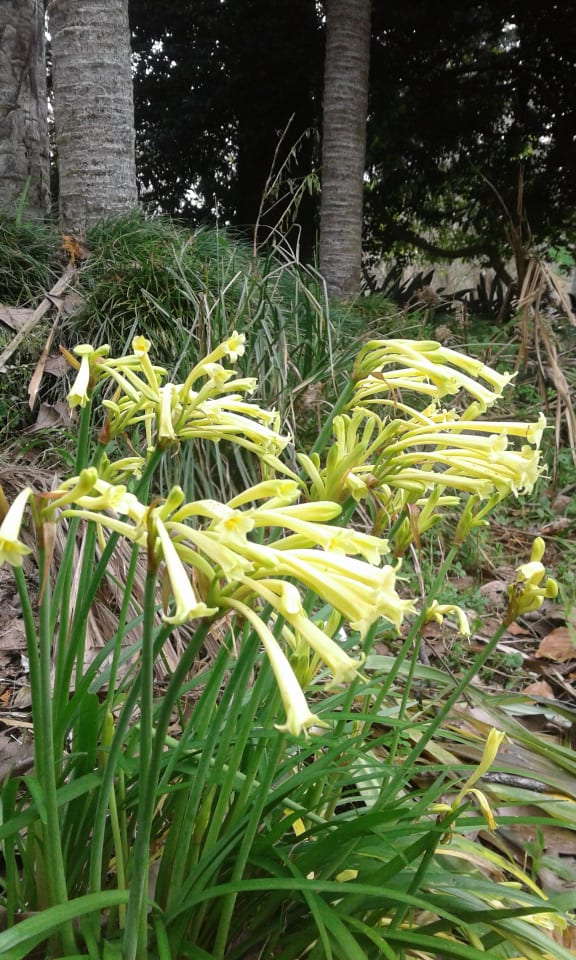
{"points": [[470, 103]]}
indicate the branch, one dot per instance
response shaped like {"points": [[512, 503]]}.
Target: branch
{"points": [[464, 252]]}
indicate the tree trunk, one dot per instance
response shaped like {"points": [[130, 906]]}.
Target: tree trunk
{"points": [[24, 152], [344, 144], [93, 110]]}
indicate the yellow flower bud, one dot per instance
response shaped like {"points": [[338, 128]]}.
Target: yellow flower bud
{"points": [[527, 593], [493, 741]]}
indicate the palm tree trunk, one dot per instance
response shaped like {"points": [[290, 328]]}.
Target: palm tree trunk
{"points": [[93, 110], [24, 152], [344, 144]]}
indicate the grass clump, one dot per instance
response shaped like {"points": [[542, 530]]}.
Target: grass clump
{"points": [[187, 290], [28, 260]]}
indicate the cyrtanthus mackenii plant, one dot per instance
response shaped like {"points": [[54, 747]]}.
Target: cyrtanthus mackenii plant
{"points": [[280, 559]]}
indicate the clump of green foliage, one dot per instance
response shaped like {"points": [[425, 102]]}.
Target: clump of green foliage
{"points": [[270, 802], [188, 289], [28, 260]]}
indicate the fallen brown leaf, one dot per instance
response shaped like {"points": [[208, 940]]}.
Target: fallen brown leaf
{"points": [[14, 317], [517, 630], [556, 526], [15, 758], [558, 645], [36, 379], [51, 415], [539, 689], [57, 366]]}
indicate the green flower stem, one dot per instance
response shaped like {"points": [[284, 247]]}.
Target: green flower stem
{"points": [[443, 712], [413, 639], [83, 441], [33, 841], [61, 595], [118, 834], [135, 943], [354, 688], [151, 757], [396, 524], [31, 639], [38, 651], [228, 903], [119, 856], [44, 729], [326, 431], [232, 744], [248, 783], [61, 591], [122, 619], [79, 629], [61, 612], [110, 771], [141, 491], [435, 838], [201, 727], [71, 645]]}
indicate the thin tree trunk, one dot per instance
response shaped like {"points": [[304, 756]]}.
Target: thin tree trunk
{"points": [[24, 152], [93, 110], [344, 144]]}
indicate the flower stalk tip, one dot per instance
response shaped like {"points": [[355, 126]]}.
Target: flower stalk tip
{"points": [[529, 589]]}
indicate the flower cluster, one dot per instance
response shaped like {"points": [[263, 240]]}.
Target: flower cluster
{"points": [[209, 405], [400, 446], [425, 367], [237, 572], [212, 556], [259, 553]]}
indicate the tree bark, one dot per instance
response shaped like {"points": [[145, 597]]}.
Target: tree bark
{"points": [[344, 144], [24, 151], [93, 110]]}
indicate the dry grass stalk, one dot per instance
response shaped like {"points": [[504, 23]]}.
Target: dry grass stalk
{"points": [[539, 281]]}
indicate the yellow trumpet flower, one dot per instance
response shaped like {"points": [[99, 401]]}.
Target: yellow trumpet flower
{"points": [[491, 747], [188, 606], [12, 550], [288, 603], [437, 611], [489, 754], [361, 591], [299, 717], [89, 357]]}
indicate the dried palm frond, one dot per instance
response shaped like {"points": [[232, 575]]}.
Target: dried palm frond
{"points": [[535, 330]]}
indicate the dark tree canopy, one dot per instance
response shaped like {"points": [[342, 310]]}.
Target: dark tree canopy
{"points": [[468, 102], [216, 85], [466, 97]]}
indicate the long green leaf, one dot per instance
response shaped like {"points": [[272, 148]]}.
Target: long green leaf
{"points": [[16, 942]]}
